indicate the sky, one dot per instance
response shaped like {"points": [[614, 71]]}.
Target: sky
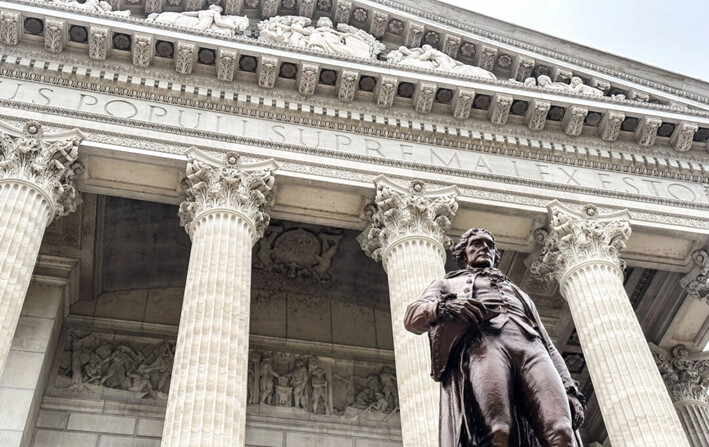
{"points": [[672, 35]]}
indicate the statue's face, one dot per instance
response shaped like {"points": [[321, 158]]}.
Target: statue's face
{"points": [[480, 250]]}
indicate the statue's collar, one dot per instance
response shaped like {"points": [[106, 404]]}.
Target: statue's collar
{"points": [[487, 271]]}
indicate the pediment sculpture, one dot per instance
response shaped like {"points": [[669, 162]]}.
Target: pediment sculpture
{"points": [[210, 20], [299, 32], [431, 59], [576, 85], [92, 5]]}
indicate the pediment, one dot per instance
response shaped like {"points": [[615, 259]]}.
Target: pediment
{"points": [[627, 106]]}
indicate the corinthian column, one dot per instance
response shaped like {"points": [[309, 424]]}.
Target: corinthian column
{"points": [[686, 376], [223, 215], [582, 251], [407, 232], [36, 173]]}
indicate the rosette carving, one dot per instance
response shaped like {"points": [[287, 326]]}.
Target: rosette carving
{"points": [[686, 374], [230, 185], [398, 212], [47, 161], [576, 237]]}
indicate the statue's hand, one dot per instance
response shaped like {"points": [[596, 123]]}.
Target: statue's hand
{"points": [[577, 411], [470, 310]]}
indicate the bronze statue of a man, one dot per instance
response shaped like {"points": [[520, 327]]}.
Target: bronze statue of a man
{"points": [[503, 383]]}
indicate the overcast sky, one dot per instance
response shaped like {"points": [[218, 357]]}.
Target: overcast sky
{"points": [[672, 34]]}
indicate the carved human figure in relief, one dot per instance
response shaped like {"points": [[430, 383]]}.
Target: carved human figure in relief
{"points": [[210, 19], [576, 85], [92, 5], [503, 383], [298, 32], [431, 59], [299, 380], [266, 382], [319, 397]]}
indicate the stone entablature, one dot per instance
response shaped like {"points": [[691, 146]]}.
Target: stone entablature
{"points": [[217, 103], [275, 65], [396, 24]]}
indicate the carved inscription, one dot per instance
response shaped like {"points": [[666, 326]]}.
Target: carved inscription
{"points": [[375, 147]]}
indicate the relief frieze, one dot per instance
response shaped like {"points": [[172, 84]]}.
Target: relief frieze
{"points": [[370, 148]]}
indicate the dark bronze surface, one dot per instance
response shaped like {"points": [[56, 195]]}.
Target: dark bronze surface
{"points": [[503, 383]]}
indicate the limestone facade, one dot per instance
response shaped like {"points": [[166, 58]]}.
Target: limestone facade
{"points": [[321, 156]]}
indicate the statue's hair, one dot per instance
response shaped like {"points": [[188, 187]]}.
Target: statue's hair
{"points": [[458, 252]]}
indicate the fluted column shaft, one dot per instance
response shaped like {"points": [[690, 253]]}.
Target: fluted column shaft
{"points": [[582, 250], [35, 186], [24, 213], [694, 416], [223, 215], [635, 405], [207, 401], [411, 264], [407, 232]]}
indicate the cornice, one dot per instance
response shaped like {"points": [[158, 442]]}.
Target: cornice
{"points": [[362, 119], [680, 119]]}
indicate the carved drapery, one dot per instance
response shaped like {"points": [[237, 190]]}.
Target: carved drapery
{"points": [[36, 176], [407, 232], [582, 251], [686, 376], [224, 215]]}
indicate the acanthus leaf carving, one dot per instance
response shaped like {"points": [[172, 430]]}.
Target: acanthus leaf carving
{"points": [[686, 374], [153, 7], [696, 282], [267, 71], [500, 109], [98, 42], [573, 120], [342, 11], [414, 35], [244, 188], [576, 237], [10, 27], [683, 136], [451, 44], [386, 91], [523, 68], [269, 8], [226, 64], [425, 93], [184, 57], [142, 50], [379, 23], [462, 103], [537, 114], [646, 134], [610, 126], [348, 85], [54, 39], [486, 58], [308, 79], [49, 162], [398, 212], [306, 8]]}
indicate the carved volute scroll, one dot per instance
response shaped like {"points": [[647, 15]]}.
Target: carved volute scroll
{"points": [[696, 282], [686, 375], [576, 237], [398, 212], [48, 162], [229, 185]]}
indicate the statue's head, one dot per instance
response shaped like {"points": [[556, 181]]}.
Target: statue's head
{"points": [[476, 249], [216, 8], [324, 22]]}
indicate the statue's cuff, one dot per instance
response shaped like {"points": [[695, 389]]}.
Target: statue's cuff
{"points": [[573, 390]]}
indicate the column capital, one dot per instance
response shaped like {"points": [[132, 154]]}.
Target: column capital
{"points": [[228, 185], [685, 374], [46, 161], [696, 282], [577, 237], [398, 212]]}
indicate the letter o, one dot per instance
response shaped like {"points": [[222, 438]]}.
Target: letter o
{"points": [[119, 110], [678, 195]]}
